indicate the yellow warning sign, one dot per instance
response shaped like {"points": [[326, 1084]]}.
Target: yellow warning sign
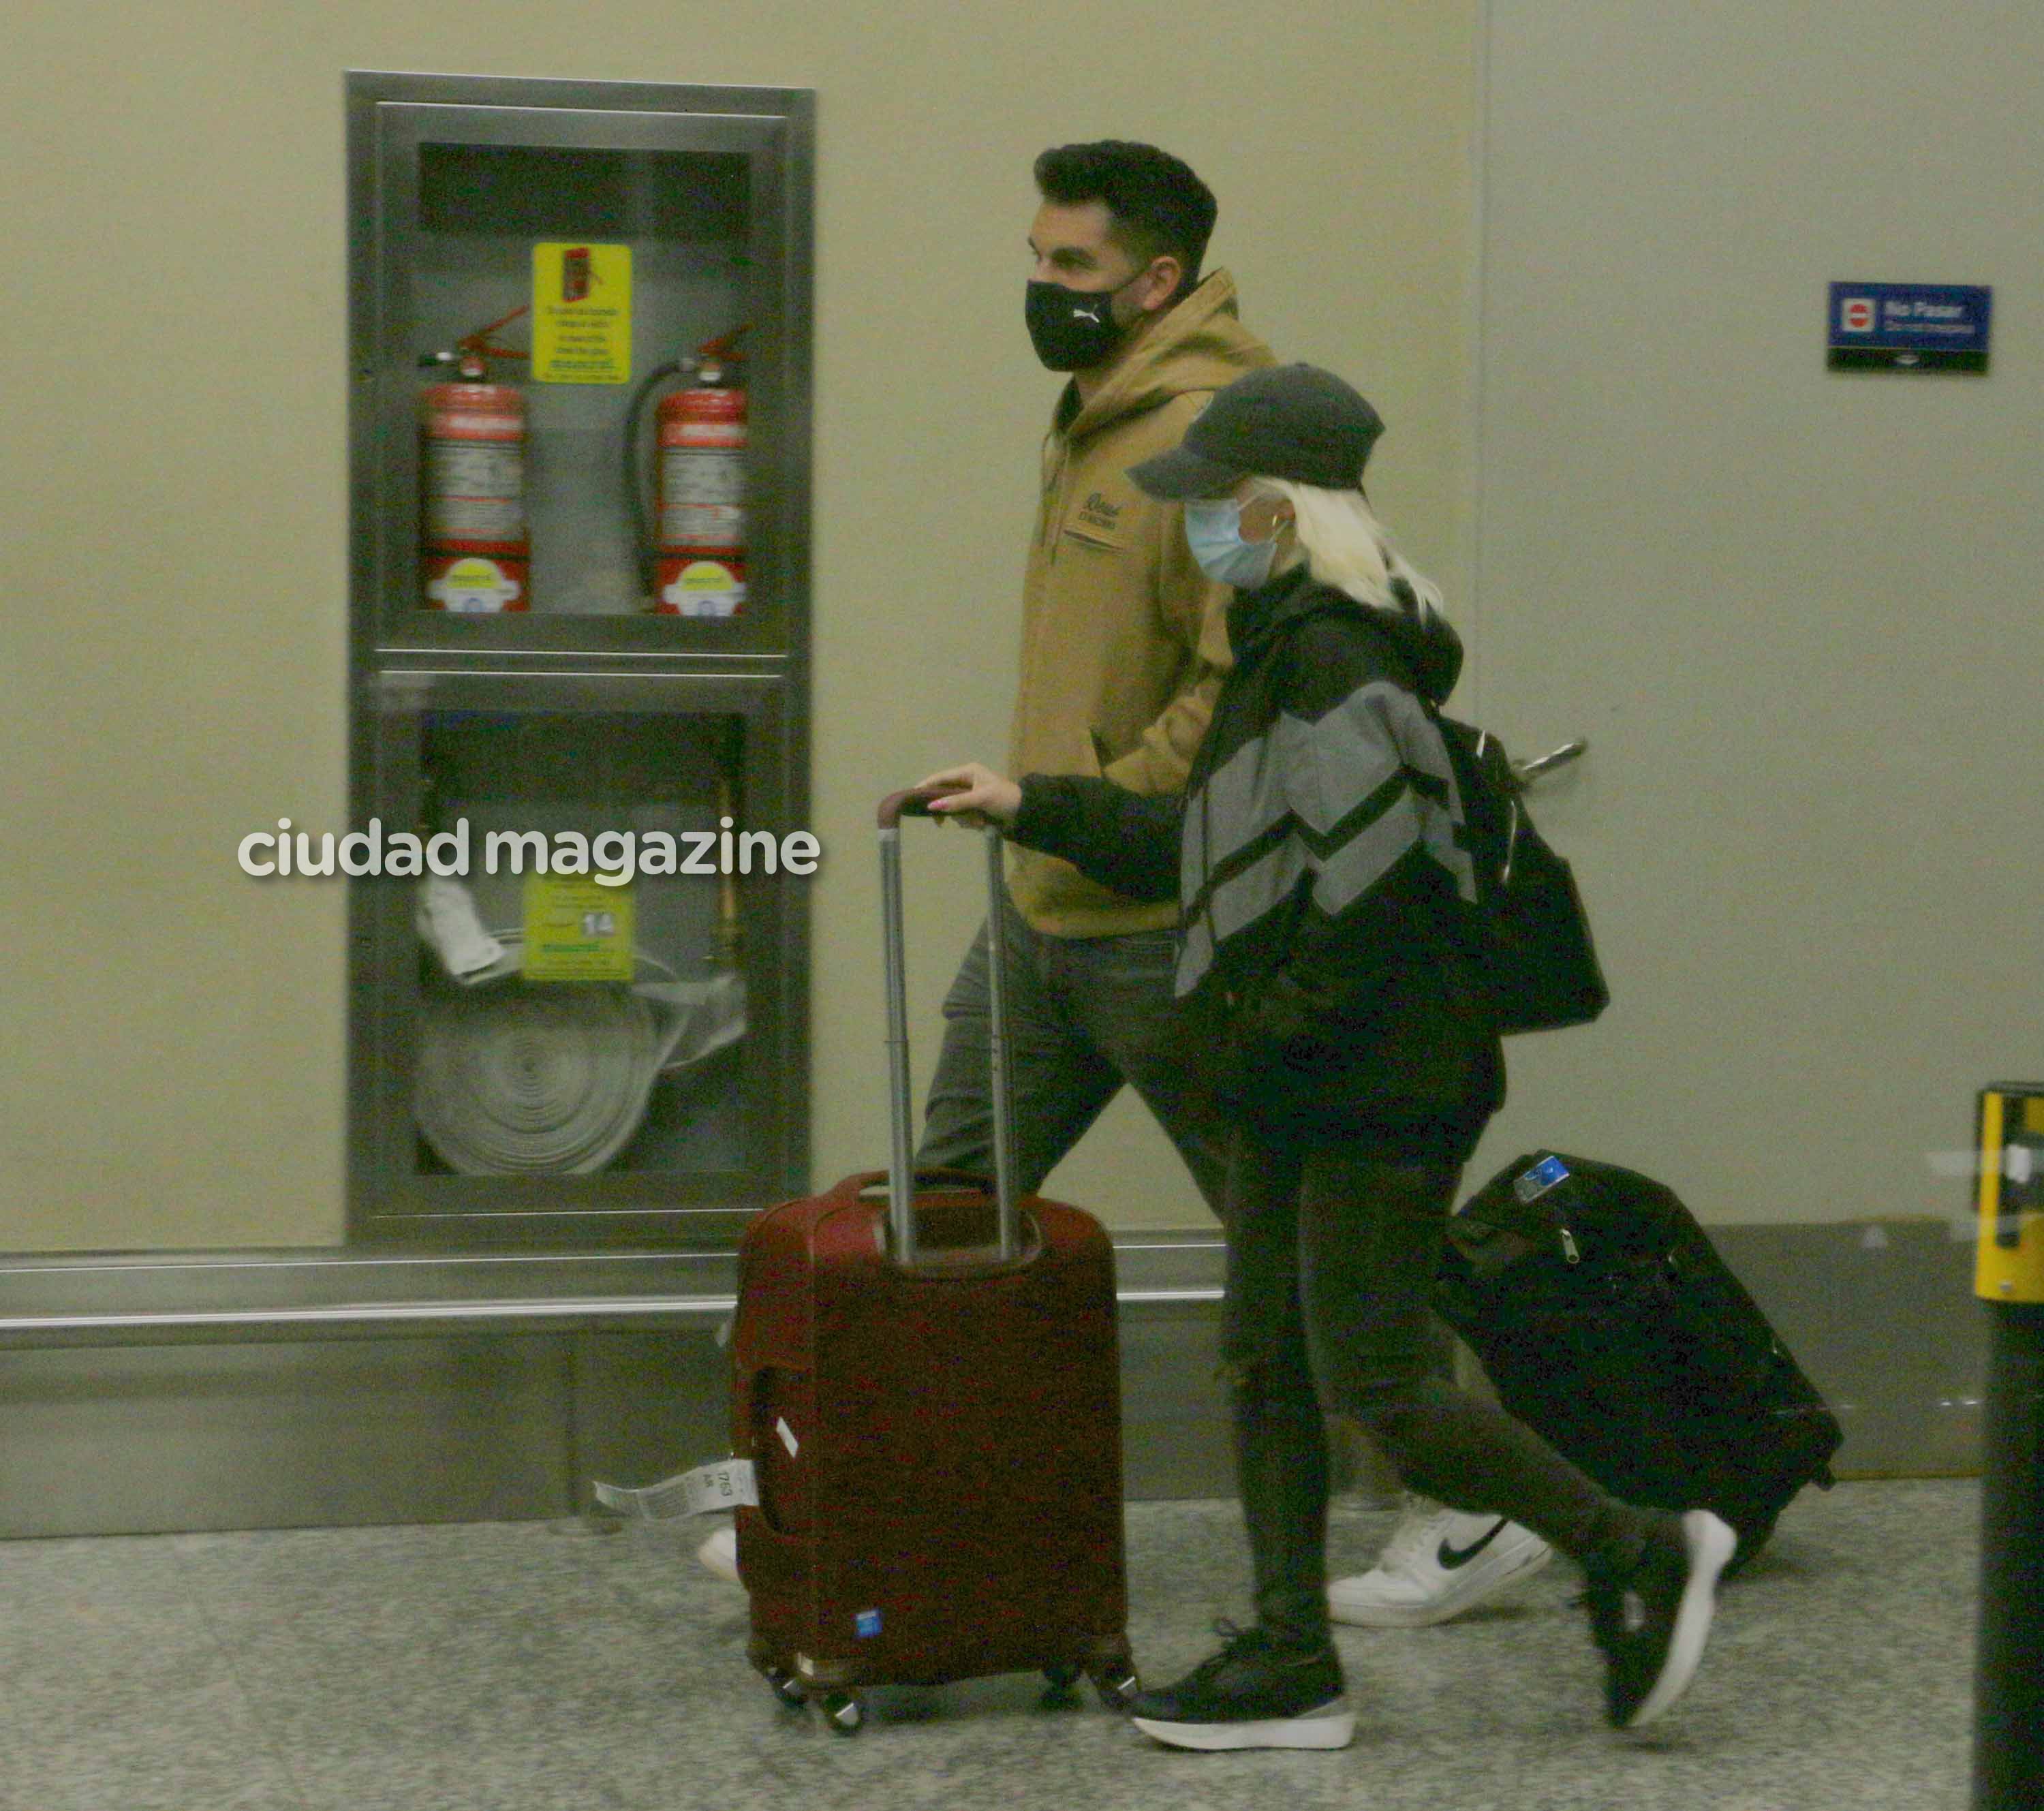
{"points": [[576, 929], [582, 313], [2010, 1267]]}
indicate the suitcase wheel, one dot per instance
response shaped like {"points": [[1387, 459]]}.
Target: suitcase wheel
{"points": [[787, 1688], [843, 1712]]}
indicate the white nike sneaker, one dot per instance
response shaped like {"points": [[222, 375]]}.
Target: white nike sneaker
{"points": [[720, 1553], [1438, 1563]]}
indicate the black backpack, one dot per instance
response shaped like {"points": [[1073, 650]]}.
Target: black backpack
{"points": [[1533, 937]]}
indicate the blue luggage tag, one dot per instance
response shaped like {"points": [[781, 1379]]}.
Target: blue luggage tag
{"points": [[1543, 1176], [867, 1624]]}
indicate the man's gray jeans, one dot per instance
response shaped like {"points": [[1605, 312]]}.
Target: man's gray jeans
{"points": [[1085, 1015]]}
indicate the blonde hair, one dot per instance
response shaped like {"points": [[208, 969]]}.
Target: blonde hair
{"points": [[1341, 540]]}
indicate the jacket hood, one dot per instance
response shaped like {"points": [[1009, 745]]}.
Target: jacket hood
{"points": [[1419, 636], [1199, 344]]}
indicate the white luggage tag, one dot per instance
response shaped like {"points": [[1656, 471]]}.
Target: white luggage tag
{"points": [[723, 1486]]}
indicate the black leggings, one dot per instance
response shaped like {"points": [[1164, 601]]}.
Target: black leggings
{"points": [[1331, 1254]]}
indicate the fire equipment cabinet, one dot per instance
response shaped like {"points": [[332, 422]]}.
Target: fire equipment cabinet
{"points": [[578, 423]]}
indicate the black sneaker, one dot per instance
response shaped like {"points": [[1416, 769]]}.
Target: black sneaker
{"points": [[1653, 1618], [1254, 1694]]}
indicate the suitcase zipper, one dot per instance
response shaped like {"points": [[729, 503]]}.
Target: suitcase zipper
{"points": [[1569, 1250]]}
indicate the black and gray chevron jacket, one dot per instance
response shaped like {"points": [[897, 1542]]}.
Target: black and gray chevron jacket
{"points": [[1324, 896]]}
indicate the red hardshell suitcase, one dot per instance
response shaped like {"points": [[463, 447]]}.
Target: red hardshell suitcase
{"points": [[932, 1405]]}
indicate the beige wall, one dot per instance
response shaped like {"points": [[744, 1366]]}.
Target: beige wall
{"points": [[173, 516], [1796, 612]]}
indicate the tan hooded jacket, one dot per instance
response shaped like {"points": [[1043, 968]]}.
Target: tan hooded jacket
{"points": [[1123, 638]]}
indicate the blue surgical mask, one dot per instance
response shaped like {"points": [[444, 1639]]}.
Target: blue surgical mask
{"points": [[1213, 531]]}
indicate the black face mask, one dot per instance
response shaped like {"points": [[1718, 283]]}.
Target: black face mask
{"points": [[1072, 329]]}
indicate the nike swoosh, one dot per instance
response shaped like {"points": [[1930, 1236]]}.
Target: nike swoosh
{"points": [[1450, 1558]]}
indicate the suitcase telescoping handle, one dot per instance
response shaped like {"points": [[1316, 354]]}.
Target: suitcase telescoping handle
{"points": [[915, 803]]}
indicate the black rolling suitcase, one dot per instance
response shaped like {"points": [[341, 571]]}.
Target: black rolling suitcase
{"points": [[1610, 1326]]}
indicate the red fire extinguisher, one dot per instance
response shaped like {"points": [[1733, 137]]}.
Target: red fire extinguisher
{"points": [[476, 550], [698, 568]]}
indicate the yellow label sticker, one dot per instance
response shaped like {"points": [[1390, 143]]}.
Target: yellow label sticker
{"points": [[576, 929], [474, 586], [582, 313], [705, 588]]}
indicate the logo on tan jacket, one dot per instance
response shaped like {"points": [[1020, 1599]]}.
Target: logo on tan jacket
{"points": [[1096, 511]]}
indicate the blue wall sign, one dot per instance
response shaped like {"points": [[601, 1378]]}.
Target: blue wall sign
{"points": [[1908, 327]]}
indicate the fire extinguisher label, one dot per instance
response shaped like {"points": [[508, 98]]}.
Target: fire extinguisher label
{"points": [[475, 491], [700, 499], [700, 588], [582, 313], [714, 525], [472, 585]]}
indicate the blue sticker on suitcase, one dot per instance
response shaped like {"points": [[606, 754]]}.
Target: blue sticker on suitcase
{"points": [[867, 1623], [1541, 1177]]}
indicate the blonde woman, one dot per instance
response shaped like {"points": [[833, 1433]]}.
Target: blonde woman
{"points": [[1324, 960]]}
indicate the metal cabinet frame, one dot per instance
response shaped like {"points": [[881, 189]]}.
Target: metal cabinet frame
{"points": [[405, 662]]}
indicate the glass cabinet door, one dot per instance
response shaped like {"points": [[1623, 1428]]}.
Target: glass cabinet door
{"points": [[581, 337], [580, 1003]]}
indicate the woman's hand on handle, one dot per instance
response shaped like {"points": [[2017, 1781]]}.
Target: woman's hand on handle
{"points": [[981, 795]]}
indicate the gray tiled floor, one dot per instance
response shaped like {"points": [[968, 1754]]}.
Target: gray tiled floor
{"points": [[517, 1667]]}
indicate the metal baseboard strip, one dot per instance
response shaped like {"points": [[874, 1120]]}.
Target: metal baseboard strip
{"points": [[361, 1320], [594, 1315], [263, 1296], [150, 1394]]}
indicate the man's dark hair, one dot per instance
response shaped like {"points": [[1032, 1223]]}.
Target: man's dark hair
{"points": [[1157, 204]]}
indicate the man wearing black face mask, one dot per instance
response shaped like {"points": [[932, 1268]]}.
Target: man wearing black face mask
{"points": [[1123, 641]]}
